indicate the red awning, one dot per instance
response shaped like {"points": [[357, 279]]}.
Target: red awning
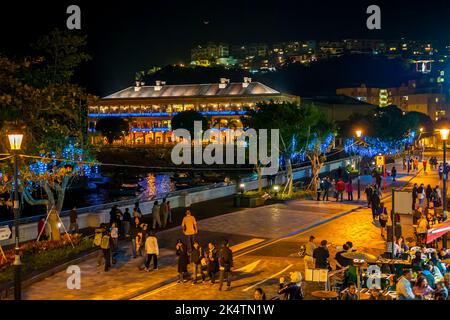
{"points": [[438, 231]]}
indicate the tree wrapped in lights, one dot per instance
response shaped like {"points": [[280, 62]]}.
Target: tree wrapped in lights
{"points": [[52, 172], [305, 133], [386, 131], [38, 91]]}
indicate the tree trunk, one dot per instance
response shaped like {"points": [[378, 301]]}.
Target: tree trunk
{"points": [[290, 176], [316, 166], [259, 171]]}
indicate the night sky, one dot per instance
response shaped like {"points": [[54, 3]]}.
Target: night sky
{"points": [[127, 36]]}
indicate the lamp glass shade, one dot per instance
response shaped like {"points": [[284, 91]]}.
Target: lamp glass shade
{"points": [[15, 141], [358, 133], [444, 133]]}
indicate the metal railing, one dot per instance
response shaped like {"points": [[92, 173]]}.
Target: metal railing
{"points": [[105, 206]]}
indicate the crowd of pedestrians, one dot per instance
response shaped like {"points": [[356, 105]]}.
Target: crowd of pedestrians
{"points": [[210, 263], [334, 188]]}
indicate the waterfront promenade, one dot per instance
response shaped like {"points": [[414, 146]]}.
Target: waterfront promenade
{"points": [[246, 229]]}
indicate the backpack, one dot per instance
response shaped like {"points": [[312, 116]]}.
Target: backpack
{"points": [[105, 242], [97, 239]]}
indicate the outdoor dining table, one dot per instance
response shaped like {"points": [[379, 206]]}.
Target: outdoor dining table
{"points": [[323, 294]]}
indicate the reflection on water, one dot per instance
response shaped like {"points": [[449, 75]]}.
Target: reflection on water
{"points": [[149, 187], [154, 186]]}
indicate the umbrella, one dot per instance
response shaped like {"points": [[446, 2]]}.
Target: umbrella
{"points": [[361, 256]]}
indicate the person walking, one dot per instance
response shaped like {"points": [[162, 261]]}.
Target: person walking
{"points": [[437, 197], [309, 250], [213, 262], [112, 214], [414, 195], [136, 213], [393, 173], [134, 234], [169, 212], [137, 210], [319, 190], [383, 218], [368, 191], [326, 188], [164, 213], [73, 220], [416, 164], [424, 163], [429, 195], [126, 222], [349, 188], [375, 204], [378, 180], [340, 187], [152, 250], [333, 189], [189, 227], [105, 245], [114, 237], [183, 259], [198, 261], [225, 264], [118, 221], [441, 170], [98, 234], [421, 194], [156, 210], [140, 245]]}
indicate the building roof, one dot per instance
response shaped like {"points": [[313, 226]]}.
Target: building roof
{"points": [[194, 90]]}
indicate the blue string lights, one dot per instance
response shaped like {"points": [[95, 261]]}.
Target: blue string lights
{"points": [[377, 146]]}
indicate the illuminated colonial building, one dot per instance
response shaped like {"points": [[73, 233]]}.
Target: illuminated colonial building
{"points": [[149, 109]]}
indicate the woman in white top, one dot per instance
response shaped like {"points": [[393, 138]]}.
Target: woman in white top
{"points": [[115, 236]]}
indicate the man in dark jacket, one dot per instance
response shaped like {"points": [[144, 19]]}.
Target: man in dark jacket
{"points": [[197, 255], [321, 255], [375, 204], [326, 188], [225, 264], [134, 235], [213, 263], [369, 192]]}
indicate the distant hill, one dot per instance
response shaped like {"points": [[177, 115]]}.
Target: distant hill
{"points": [[318, 78]]}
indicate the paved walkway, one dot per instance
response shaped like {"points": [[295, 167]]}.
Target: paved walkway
{"points": [[243, 229]]}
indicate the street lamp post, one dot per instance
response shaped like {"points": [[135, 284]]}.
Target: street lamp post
{"points": [[421, 143], [358, 135], [444, 132], [15, 142]]}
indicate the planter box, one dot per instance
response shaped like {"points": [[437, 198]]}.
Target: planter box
{"points": [[248, 202]]}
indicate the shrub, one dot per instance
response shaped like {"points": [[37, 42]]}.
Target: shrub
{"points": [[42, 255]]}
